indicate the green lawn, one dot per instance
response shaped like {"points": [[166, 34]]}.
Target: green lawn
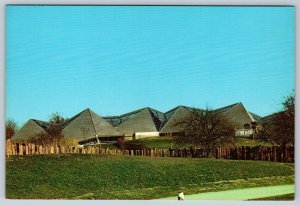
{"points": [[167, 142], [244, 141], [158, 142], [128, 177]]}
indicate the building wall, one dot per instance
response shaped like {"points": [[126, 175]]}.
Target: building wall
{"points": [[243, 133], [139, 135]]}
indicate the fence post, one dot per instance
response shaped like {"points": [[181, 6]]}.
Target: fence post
{"points": [[26, 150], [12, 149], [57, 149], [284, 154], [33, 149], [20, 149], [8, 147]]}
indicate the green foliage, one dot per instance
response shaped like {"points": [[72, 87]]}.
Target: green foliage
{"points": [[125, 177]]}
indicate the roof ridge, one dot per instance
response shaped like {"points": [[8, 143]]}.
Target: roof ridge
{"points": [[225, 108], [72, 118], [92, 121], [132, 112], [174, 108], [250, 115], [169, 120], [155, 119], [40, 123]]}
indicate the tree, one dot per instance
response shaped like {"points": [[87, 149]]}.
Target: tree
{"points": [[55, 127], [10, 128], [279, 128], [206, 129], [53, 131]]}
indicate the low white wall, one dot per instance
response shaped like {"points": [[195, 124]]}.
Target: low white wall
{"points": [[139, 135], [244, 132]]}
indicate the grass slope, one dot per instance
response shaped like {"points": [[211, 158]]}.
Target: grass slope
{"points": [[125, 177]]}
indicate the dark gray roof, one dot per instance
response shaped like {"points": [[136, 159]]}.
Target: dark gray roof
{"points": [[29, 129], [117, 120], [67, 122], [171, 112], [41, 123], [157, 116], [175, 115], [86, 125], [113, 120], [224, 109], [142, 120], [237, 114]]}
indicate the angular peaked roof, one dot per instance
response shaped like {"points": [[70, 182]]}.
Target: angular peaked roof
{"points": [[30, 129], [86, 125], [237, 113], [142, 120], [224, 109], [173, 116], [117, 120], [158, 117]]}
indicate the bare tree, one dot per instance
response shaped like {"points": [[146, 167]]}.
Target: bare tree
{"points": [[10, 128], [53, 131], [279, 128], [206, 129]]}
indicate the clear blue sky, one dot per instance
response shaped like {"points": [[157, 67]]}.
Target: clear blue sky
{"points": [[115, 59]]}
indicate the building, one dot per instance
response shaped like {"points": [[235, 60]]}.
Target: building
{"points": [[145, 122], [173, 117], [87, 126], [243, 120], [31, 128], [84, 127]]}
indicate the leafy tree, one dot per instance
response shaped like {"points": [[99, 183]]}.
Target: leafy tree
{"points": [[53, 131], [10, 128], [279, 128], [206, 129]]}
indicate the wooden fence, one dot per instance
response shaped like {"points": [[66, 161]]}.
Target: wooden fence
{"points": [[276, 154]]}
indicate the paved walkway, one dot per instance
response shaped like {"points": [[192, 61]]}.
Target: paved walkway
{"points": [[241, 194]]}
